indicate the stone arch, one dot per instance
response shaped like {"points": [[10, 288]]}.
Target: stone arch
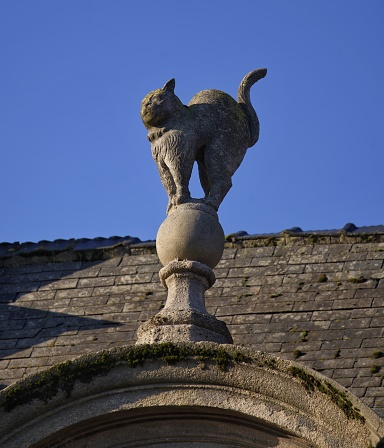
{"points": [[172, 426], [165, 394]]}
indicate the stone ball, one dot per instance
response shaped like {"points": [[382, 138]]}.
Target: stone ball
{"points": [[191, 232]]}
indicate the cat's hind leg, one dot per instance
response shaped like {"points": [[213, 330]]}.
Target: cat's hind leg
{"points": [[219, 177], [204, 178]]}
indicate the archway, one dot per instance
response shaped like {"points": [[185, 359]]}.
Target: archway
{"points": [[201, 395]]}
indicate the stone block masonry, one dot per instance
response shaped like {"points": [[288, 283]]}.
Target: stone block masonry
{"points": [[316, 298]]}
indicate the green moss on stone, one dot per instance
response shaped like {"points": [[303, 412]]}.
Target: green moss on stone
{"points": [[322, 278], [62, 377], [276, 295], [171, 353], [338, 397], [359, 279], [303, 336], [313, 239], [374, 369], [245, 279], [271, 241], [297, 353]]}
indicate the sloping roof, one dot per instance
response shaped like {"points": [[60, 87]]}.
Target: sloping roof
{"points": [[317, 297]]}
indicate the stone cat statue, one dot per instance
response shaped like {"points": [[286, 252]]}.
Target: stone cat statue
{"points": [[214, 130]]}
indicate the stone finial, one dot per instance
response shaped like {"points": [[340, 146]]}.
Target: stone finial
{"points": [[215, 131], [189, 243]]}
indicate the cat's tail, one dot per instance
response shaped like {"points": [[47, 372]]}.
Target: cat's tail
{"points": [[244, 99]]}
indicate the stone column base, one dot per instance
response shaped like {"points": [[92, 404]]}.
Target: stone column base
{"points": [[183, 326], [184, 317]]}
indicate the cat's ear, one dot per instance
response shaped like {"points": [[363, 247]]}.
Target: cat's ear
{"points": [[170, 85]]}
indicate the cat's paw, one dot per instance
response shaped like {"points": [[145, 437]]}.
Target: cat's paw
{"points": [[209, 201]]}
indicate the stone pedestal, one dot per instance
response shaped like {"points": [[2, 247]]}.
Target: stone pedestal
{"points": [[189, 243]]}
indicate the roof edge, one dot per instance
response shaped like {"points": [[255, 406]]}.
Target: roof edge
{"points": [[85, 249]]}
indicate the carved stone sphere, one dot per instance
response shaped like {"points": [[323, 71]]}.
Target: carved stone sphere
{"points": [[191, 232]]}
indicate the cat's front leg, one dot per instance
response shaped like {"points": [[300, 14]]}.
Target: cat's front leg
{"points": [[166, 179], [180, 162], [183, 194]]}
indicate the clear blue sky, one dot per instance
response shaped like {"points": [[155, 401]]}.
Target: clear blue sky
{"points": [[74, 157]]}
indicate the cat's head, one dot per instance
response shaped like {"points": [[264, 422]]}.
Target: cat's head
{"points": [[159, 105]]}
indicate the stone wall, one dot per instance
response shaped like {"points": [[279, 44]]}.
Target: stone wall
{"points": [[317, 298]]}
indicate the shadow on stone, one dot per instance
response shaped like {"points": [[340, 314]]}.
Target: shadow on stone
{"points": [[23, 327], [30, 327]]}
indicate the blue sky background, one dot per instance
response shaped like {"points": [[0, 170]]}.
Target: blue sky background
{"points": [[74, 159]]}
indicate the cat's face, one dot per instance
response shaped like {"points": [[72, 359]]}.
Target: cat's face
{"points": [[159, 104]]}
